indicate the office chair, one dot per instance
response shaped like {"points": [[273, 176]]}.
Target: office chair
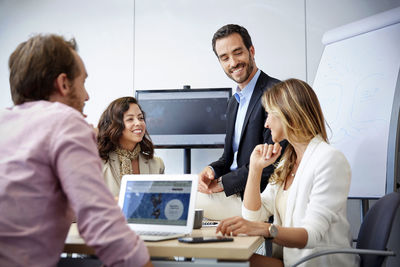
{"points": [[373, 235]]}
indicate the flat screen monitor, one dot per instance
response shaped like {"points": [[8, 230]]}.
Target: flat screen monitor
{"points": [[185, 117]]}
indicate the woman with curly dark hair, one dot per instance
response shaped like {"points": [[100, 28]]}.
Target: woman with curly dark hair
{"points": [[124, 143]]}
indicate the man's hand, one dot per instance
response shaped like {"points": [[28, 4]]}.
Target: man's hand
{"points": [[214, 187], [207, 182]]}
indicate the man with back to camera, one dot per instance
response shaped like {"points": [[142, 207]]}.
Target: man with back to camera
{"points": [[50, 170], [222, 183]]}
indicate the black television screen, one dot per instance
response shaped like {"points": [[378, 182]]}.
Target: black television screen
{"points": [[185, 117]]}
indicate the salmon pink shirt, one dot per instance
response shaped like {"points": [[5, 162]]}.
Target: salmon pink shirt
{"points": [[50, 171]]}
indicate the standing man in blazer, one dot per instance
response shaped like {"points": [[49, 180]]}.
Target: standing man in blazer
{"points": [[222, 183]]}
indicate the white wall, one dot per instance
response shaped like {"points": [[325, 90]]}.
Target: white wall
{"points": [[102, 29], [173, 48], [170, 43], [173, 44], [173, 40], [286, 34]]}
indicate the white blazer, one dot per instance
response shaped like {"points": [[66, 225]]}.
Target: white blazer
{"points": [[317, 201]]}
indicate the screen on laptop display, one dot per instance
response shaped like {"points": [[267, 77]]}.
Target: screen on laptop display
{"points": [[157, 202]]}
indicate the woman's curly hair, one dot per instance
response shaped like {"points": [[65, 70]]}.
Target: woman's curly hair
{"points": [[111, 125]]}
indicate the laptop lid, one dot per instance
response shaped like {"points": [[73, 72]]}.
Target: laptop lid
{"points": [[159, 202]]}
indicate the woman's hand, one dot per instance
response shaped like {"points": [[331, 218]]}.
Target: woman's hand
{"points": [[264, 155], [238, 225]]}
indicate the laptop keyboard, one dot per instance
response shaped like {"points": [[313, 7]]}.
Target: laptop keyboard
{"points": [[153, 233]]}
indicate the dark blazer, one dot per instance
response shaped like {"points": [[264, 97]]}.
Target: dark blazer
{"points": [[253, 133]]}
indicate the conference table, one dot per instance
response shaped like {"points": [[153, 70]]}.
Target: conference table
{"points": [[174, 253]]}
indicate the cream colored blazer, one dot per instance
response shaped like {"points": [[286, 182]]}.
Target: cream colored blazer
{"points": [[111, 170], [317, 201]]}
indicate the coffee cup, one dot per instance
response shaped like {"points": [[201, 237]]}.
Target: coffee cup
{"points": [[198, 218]]}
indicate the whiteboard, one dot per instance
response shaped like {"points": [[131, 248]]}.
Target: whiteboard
{"points": [[356, 84]]}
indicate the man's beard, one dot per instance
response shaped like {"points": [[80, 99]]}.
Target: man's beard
{"points": [[73, 100], [249, 70]]}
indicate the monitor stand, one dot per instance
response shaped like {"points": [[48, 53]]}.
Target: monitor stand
{"points": [[186, 160]]}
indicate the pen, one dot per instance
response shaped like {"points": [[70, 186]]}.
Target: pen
{"points": [[210, 223]]}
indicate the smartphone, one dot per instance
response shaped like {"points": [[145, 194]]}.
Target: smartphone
{"points": [[206, 239]]}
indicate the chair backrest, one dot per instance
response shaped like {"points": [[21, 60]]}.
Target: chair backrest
{"points": [[376, 227]]}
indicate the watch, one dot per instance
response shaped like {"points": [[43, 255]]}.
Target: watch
{"points": [[273, 230]]}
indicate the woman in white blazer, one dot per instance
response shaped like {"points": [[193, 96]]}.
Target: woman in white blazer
{"points": [[124, 143], [306, 194]]}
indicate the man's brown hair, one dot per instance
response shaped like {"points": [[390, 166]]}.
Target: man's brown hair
{"points": [[36, 63], [229, 29]]}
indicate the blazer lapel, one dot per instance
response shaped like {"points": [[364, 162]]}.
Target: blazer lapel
{"points": [[257, 93], [231, 112], [144, 166], [297, 181], [114, 166]]}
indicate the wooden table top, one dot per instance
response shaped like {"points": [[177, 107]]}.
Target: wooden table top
{"points": [[240, 249]]}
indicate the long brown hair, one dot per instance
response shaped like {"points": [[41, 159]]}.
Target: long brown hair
{"points": [[111, 125], [295, 103]]}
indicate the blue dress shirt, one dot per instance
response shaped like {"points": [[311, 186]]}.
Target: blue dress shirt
{"points": [[243, 98]]}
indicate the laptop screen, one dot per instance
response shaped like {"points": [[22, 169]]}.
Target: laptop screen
{"points": [[157, 202]]}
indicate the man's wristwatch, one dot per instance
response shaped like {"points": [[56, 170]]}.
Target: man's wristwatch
{"points": [[273, 230]]}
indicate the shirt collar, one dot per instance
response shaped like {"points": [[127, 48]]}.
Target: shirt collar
{"points": [[247, 91]]}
